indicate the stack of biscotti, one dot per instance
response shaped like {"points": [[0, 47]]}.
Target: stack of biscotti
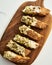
{"points": [[19, 44]]}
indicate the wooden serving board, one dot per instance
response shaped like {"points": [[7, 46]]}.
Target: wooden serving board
{"points": [[12, 30]]}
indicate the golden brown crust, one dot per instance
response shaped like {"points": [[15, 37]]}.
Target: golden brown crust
{"points": [[34, 35], [20, 59], [44, 11], [27, 52], [41, 25]]}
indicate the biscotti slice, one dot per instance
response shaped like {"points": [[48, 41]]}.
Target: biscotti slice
{"points": [[16, 47], [29, 32], [25, 41], [35, 10], [32, 21], [15, 57]]}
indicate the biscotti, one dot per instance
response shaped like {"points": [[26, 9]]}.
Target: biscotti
{"points": [[15, 57], [16, 47], [36, 10], [30, 32], [32, 21], [26, 41]]}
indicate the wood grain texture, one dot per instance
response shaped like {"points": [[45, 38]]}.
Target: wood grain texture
{"points": [[12, 30]]}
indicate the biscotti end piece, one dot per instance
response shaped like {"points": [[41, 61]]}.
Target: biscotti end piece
{"points": [[14, 57], [36, 10]]}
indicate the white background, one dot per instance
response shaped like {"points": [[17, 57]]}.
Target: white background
{"points": [[7, 10]]}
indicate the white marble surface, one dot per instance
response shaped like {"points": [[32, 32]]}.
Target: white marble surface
{"points": [[7, 10]]}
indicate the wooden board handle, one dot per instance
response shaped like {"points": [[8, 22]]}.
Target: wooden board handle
{"points": [[39, 2]]}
